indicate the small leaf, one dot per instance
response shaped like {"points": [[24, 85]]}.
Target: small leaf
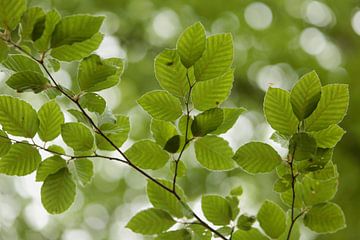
{"points": [[77, 136], [49, 166], [28, 80], [245, 222], [252, 234], [278, 111], [51, 118], [302, 146], [58, 191], [181, 234], [147, 155], [331, 108], [93, 102], [173, 144], [191, 44], [216, 209], [151, 221], [56, 149], [216, 59], [257, 157], [325, 218], [237, 191], [207, 122], [20, 160], [11, 12], [272, 219], [161, 105], [305, 95], [117, 132], [84, 170], [5, 143], [17, 117], [20, 63], [214, 153], [328, 137], [162, 131], [231, 115]]}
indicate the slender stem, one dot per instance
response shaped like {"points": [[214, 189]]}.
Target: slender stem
{"points": [[99, 131]]}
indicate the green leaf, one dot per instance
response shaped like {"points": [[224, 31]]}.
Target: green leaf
{"points": [[282, 139], [245, 222], [211, 93], [17, 117], [216, 59], [181, 169], [329, 171], [278, 111], [11, 12], [287, 196], [19, 63], [283, 184], [58, 191], [20, 160], [316, 191], [181, 234], [170, 73], [331, 108], [77, 50], [231, 115], [52, 18], [302, 146], [305, 95], [162, 199], [51, 118], [272, 219], [214, 153], [5, 143], [151, 221], [84, 170], [77, 136], [147, 155], [257, 157], [328, 137], [207, 122], [32, 16], [237, 191], [173, 144], [49, 166], [252, 234], [162, 131], [95, 74], [56, 149], [234, 205], [325, 218], [216, 209], [199, 232], [117, 132], [4, 51], [28, 80], [161, 105], [93, 102], [191, 44]]}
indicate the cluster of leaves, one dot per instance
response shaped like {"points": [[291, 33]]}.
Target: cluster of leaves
{"points": [[196, 78]]}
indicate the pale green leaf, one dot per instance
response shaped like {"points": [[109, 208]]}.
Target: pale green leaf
{"points": [[162, 131], [93, 102], [191, 44], [19, 63], [51, 118], [17, 117], [325, 218], [28, 81], [56, 149], [231, 115], [216, 59], [11, 12], [181, 234], [5, 143], [147, 155], [4, 51], [58, 191], [49, 166], [84, 170], [316, 191], [52, 18], [211, 93], [216, 209], [161, 105], [331, 108], [252, 234], [305, 95], [77, 136], [32, 16], [79, 116], [329, 171], [287, 196], [199, 232], [181, 168], [207, 122], [151, 221], [117, 132], [302, 146], [272, 219], [278, 111], [257, 157], [328, 137]]}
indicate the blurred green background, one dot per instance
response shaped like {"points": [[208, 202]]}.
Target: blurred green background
{"points": [[275, 43]]}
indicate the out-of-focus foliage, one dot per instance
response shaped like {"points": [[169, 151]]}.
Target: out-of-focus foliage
{"points": [[275, 43]]}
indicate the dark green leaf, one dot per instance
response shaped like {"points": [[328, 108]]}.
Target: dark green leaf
{"points": [[207, 122], [28, 80], [173, 144], [231, 115], [245, 222], [302, 146], [5, 143]]}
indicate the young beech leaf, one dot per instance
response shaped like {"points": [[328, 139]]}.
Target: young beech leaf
{"points": [[84, 170], [147, 155], [171, 74], [199, 232], [231, 115], [316, 191], [328, 137], [214, 153], [181, 168], [272, 219], [93, 102], [161, 105], [252, 234], [257, 157], [173, 144], [305, 95], [11, 12], [182, 125], [211, 93], [331, 108], [216, 59], [234, 205], [216, 209], [325, 218], [5, 143], [28, 81], [29, 20], [58, 191], [302, 146], [49, 166], [56, 149], [287, 196], [181, 234], [20, 63], [162, 131], [151, 221], [245, 222], [237, 191], [52, 18], [77, 136], [207, 122], [20, 160], [79, 116], [278, 111], [4, 51], [17, 117], [117, 132], [191, 44], [51, 118]]}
